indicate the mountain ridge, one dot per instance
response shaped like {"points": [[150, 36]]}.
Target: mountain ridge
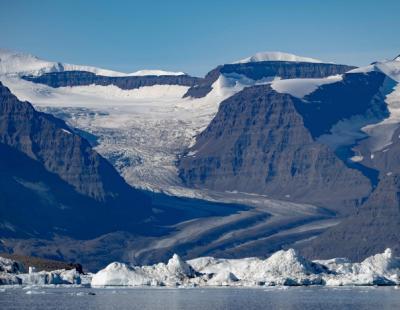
{"points": [[308, 132]]}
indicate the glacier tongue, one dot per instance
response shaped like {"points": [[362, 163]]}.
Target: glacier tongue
{"points": [[281, 268], [141, 131]]}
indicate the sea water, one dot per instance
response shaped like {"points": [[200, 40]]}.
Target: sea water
{"points": [[200, 298]]}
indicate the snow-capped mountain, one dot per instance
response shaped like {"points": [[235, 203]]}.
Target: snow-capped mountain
{"points": [[294, 139], [277, 56], [354, 114], [266, 71], [25, 64]]}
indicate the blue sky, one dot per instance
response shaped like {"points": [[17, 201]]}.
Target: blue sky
{"points": [[195, 36]]}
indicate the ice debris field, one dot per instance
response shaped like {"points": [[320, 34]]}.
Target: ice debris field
{"points": [[283, 268]]}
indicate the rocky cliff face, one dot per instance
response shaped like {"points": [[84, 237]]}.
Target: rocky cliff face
{"points": [[79, 78], [376, 224], [374, 228], [54, 175], [265, 69], [49, 141], [258, 143], [356, 94]]}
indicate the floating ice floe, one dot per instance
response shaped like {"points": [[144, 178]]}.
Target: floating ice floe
{"points": [[286, 268]]}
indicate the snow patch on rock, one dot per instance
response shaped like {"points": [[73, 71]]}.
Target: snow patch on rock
{"points": [[381, 134], [302, 87]]}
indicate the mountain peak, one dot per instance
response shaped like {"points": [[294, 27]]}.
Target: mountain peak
{"points": [[277, 56]]}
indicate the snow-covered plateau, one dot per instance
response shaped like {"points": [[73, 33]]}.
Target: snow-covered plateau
{"points": [[26, 64], [283, 268], [277, 56]]}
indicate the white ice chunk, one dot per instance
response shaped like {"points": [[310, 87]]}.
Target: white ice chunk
{"points": [[281, 268]]}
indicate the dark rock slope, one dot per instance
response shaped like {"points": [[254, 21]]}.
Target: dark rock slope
{"points": [[53, 181], [266, 69], [376, 226], [258, 143], [79, 78], [356, 94]]}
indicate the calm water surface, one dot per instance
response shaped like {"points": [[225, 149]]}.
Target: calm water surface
{"points": [[199, 298]]}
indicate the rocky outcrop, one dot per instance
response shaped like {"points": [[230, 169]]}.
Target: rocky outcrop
{"points": [[372, 229], [258, 143], [49, 141], [52, 181], [356, 94], [40, 263], [80, 78], [266, 69], [376, 224]]}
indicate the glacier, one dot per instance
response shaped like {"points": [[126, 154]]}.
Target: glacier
{"points": [[140, 131], [144, 131]]}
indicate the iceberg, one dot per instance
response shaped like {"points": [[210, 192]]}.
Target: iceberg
{"points": [[176, 272], [10, 266], [9, 279], [283, 268], [13, 272], [51, 277]]}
